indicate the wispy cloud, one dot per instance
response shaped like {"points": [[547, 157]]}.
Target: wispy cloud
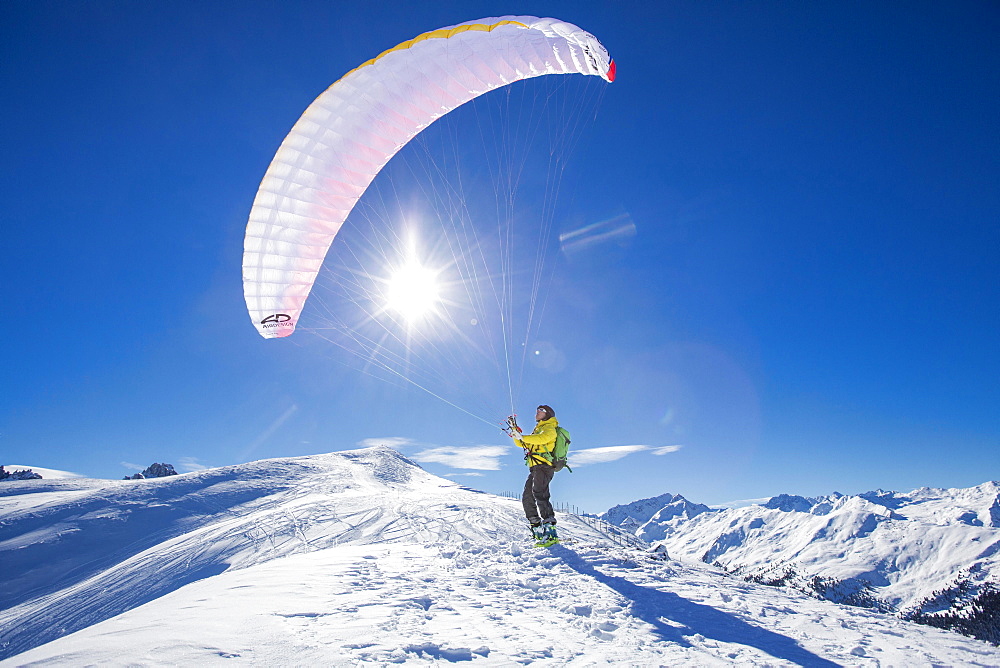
{"points": [[188, 464], [131, 466], [465, 475], [742, 503], [388, 441], [613, 452], [601, 455], [617, 229], [481, 457], [478, 457]]}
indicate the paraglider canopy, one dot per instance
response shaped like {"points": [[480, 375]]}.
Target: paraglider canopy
{"points": [[349, 133]]}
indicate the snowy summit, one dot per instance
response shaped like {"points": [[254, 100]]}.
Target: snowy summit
{"points": [[362, 556]]}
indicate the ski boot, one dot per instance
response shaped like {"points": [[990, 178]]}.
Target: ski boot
{"points": [[548, 536], [537, 533]]}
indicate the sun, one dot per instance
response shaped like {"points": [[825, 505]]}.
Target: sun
{"points": [[412, 291]]}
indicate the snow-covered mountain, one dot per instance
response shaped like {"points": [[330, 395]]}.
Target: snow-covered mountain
{"points": [[362, 556], [652, 519], [931, 555]]}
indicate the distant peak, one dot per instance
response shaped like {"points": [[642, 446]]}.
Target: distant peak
{"points": [[385, 463], [380, 450], [790, 503]]}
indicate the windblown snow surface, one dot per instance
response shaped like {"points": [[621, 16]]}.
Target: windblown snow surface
{"points": [[362, 557]]}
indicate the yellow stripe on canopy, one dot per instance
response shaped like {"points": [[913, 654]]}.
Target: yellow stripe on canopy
{"points": [[442, 33]]}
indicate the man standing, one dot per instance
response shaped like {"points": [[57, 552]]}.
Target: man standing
{"points": [[538, 447]]}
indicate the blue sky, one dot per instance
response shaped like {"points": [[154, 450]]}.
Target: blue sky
{"points": [[807, 299]]}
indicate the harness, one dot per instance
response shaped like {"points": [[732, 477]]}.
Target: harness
{"points": [[533, 458]]}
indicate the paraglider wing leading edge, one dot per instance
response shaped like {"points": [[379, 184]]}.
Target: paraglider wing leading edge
{"points": [[342, 140]]}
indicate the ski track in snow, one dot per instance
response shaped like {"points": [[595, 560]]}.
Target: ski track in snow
{"points": [[363, 558]]}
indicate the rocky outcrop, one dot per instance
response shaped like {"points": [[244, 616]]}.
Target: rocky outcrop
{"points": [[154, 470], [24, 474]]}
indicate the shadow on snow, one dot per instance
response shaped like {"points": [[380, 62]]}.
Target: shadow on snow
{"points": [[653, 606]]}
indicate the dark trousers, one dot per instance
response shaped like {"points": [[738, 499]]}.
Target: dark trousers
{"points": [[535, 498]]}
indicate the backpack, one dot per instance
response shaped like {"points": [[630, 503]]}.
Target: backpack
{"points": [[561, 451]]}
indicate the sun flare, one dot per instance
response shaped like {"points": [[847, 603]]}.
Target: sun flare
{"points": [[412, 291]]}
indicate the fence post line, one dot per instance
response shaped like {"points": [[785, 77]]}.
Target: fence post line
{"points": [[617, 535]]}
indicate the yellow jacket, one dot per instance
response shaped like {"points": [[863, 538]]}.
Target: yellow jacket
{"points": [[540, 442]]}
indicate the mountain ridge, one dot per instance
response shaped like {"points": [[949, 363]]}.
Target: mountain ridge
{"points": [[930, 555]]}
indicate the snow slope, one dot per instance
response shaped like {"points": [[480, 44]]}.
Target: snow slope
{"points": [[924, 553], [362, 556], [48, 474]]}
